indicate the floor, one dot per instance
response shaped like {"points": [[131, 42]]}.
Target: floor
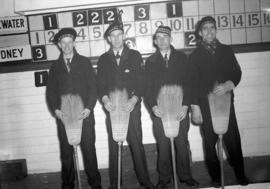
{"points": [[257, 171]]}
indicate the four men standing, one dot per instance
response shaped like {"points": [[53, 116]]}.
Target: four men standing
{"points": [[120, 68]]}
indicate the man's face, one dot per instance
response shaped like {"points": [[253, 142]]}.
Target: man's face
{"points": [[163, 41], [67, 44], [208, 32], [116, 38]]}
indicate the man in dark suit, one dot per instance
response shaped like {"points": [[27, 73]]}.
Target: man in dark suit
{"points": [[215, 69], [120, 68], [169, 67], [73, 74]]}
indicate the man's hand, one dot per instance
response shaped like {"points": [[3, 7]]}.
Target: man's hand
{"points": [[196, 114], [182, 114], [221, 89], [59, 114], [131, 104], [157, 111], [85, 113], [107, 103]]}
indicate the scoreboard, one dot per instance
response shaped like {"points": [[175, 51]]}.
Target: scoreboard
{"points": [[239, 22]]}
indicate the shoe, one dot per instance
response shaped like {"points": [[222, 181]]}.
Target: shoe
{"points": [[216, 184], [243, 181], [151, 186], [70, 186], [162, 184], [96, 187], [190, 182], [114, 186]]}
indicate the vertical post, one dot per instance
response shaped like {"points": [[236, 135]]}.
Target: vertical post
{"points": [[119, 165], [174, 164], [76, 159], [220, 149]]}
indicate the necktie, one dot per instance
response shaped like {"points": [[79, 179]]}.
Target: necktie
{"points": [[117, 56], [68, 64], [166, 60]]}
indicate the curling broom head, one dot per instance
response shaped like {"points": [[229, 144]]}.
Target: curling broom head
{"points": [[72, 106], [220, 111], [170, 103], [119, 116]]}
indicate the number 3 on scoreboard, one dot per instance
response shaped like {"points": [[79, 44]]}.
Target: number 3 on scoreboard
{"points": [[141, 12], [39, 53]]}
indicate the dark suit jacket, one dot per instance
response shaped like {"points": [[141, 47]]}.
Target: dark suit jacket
{"points": [[158, 75], [80, 80], [129, 74], [208, 69]]}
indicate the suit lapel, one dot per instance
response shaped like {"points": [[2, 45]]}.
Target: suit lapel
{"points": [[124, 56], [160, 60], [62, 64], [112, 57]]}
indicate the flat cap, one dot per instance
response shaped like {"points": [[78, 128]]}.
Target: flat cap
{"points": [[204, 20], [116, 25], [65, 32], [164, 29]]}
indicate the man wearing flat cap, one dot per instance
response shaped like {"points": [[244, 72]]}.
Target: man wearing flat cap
{"points": [[73, 74], [169, 67], [215, 69], [120, 68]]}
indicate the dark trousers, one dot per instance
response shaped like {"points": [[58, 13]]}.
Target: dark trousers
{"points": [[134, 139], [181, 145], [231, 141], [88, 153]]}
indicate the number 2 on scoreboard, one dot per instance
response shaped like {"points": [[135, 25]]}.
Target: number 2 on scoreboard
{"points": [[109, 15], [79, 18], [190, 39], [95, 17]]}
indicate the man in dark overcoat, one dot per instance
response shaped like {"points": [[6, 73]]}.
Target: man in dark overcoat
{"points": [[120, 68], [73, 74], [169, 67], [215, 69]]}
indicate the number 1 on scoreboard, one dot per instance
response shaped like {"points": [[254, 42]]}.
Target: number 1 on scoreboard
{"points": [[50, 22]]}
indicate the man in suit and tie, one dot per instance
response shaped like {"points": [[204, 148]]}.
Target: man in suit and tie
{"points": [[216, 69], [169, 67], [120, 68], [73, 74]]}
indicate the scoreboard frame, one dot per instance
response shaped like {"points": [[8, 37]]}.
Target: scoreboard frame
{"points": [[138, 27]]}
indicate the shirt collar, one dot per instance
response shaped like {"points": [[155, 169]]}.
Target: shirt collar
{"points": [[168, 53], [120, 51], [70, 57]]}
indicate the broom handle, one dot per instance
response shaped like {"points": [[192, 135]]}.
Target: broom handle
{"points": [[119, 165], [77, 166], [174, 164], [221, 160]]}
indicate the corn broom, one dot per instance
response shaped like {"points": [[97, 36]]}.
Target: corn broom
{"points": [[119, 122], [220, 111], [169, 101], [72, 106]]}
